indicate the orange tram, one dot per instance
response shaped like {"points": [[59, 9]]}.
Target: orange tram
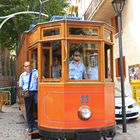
{"points": [[69, 108]]}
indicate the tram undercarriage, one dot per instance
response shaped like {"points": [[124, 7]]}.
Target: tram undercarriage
{"points": [[104, 133]]}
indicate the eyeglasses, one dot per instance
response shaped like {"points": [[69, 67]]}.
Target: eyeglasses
{"points": [[77, 55], [27, 66]]}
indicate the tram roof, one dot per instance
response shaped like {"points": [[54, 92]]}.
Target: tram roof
{"points": [[63, 18], [59, 19]]}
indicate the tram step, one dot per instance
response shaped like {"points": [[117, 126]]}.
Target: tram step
{"points": [[35, 135]]}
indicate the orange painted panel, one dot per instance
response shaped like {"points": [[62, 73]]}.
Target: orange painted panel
{"points": [[58, 106]]}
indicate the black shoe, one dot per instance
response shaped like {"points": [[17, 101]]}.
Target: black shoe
{"points": [[35, 125]]}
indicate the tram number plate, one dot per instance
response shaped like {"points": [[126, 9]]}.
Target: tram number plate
{"points": [[84, 100]]}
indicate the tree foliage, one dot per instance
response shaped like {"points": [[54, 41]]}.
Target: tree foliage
{"points": [[13, 28]]}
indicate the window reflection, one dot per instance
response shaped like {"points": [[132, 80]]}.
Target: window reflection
{"points": [[107, 35], [84, 31], [93, 66], [51, 32]]}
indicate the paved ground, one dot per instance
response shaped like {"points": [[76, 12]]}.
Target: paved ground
{"points": [[12, 126], [133, 131]]}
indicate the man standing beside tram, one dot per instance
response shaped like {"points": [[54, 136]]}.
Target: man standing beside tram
{"points": [[28, 81]]}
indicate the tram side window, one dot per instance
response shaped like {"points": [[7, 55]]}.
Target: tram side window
{"points": [[83, 63], [34, 58], [108, 62], [56, 60], [51, 60]]}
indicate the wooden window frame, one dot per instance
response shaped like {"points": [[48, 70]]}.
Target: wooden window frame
{"points": [[51, 28]]}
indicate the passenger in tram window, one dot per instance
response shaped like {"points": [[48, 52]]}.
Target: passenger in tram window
{"points": [[56, 68], [77, 70], [28, 81]]}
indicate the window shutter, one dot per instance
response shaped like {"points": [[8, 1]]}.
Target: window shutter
{"points": [[117, 62]]}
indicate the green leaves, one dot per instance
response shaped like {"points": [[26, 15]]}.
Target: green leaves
{"points": [[11, 31]]}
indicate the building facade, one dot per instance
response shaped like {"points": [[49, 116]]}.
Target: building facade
{"points": [[103, 10], [72, 10]]}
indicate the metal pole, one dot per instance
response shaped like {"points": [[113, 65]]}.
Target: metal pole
{"points": [[18, 13], [122, 73], [41, 4], [23, 12]]}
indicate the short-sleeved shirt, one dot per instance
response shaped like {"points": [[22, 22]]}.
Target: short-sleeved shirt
{"points": [[24, 80], [76, 71]]}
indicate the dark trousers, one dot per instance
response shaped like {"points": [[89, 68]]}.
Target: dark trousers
{"points": [[29, 102]]}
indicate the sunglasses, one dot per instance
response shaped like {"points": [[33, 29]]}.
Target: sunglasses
{"points": [[77, 55]]}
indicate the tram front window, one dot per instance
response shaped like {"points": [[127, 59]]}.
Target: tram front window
{"points": [[83, 63], [51, 60]]}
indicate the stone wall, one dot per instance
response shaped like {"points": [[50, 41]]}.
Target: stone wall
{"points": [[7, 68]]}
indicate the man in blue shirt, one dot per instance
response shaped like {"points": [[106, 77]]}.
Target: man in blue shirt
{"points": [[77, 70], [32, 87]]}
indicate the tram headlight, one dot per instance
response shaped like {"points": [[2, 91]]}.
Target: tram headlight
{"points": [[84, 113]]}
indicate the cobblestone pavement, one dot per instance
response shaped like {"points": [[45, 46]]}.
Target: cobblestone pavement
{"points": [[13, 126], [133, 131]]}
